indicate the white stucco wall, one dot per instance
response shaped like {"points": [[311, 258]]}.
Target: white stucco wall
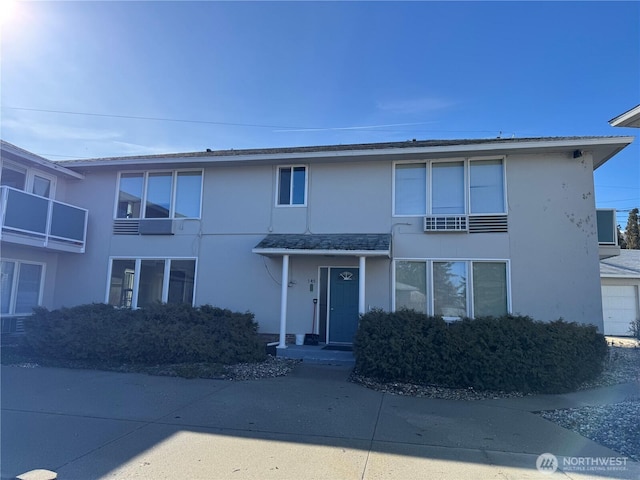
{"points": [[551, 244], [553, 239]]}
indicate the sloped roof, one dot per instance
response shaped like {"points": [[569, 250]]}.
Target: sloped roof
{"points": [[325, 244], [603, 148], [11, 152], [627, 264], [630, 118]]}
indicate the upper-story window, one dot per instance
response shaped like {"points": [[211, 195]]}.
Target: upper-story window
{"points": [[292, 185], [171, 194], [27, 179], [449, 187], [486, 186]]}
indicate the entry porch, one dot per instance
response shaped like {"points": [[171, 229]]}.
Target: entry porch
{"points": [[339, 300]]}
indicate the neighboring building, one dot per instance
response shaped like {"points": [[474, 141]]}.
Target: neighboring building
{"points": [[630, 118], [453, 228], [39, 231], [620, 278], [620, 275]]}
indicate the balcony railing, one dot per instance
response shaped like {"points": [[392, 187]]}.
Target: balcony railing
{"points": [[38, 221]]}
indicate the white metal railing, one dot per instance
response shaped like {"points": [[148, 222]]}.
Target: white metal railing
{"points": [[34, 220]]}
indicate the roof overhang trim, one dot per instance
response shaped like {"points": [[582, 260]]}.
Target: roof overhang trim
{"points": [[279, 252], [603, 148], [630, 118], [17, 154], [328, 244]]}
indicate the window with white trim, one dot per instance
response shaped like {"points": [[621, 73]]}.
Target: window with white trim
{"points": [[469, 186], [27, 179], [453, 289], [20, 286], [450, 289], [292, 185], [486, 186], [164, 194], [138, 282]]}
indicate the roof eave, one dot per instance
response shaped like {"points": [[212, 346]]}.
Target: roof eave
{"points": [[630, 118], [620, 275], [610, 145], [598, 161], [278, 252], [38, 160]]}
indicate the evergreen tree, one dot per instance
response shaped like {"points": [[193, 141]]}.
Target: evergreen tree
{"points": [[632, 232], [622, 243]]}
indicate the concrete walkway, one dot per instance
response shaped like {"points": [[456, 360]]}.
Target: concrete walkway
{"points": [[311, 424]]}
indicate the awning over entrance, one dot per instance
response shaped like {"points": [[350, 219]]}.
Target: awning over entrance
{"points": [[360, 245], [351, 244]]}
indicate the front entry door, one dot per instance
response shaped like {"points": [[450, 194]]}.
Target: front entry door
{"points": [[343, 304]]}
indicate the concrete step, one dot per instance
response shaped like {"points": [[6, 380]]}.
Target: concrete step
{"points": [[316, 354]]}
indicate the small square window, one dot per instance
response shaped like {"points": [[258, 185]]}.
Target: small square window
{"points": [[292, 185]]}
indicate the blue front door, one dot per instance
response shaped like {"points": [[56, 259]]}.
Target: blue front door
{"points": [[343, 304]]}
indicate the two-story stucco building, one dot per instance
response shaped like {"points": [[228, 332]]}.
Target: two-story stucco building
{"points": [[311, 237]]}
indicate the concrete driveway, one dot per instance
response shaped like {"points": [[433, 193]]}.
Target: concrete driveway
{"points": [[311, 424]]}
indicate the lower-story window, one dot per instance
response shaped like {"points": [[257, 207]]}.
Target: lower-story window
{"points": [[138, 282], [453, 289], [20, 286]]}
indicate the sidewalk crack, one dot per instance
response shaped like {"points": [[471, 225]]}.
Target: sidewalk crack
{"points": [[373, 436]]}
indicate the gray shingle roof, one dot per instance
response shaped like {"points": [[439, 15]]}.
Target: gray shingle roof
{"points": [[338, 242], [209, 153], [626, 264]]}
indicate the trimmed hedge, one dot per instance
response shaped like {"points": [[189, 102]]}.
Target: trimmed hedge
{"points": [[510, 353], [158, 334]]}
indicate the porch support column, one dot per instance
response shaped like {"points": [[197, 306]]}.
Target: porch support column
{"points": [[283, 302], [361, 284]]}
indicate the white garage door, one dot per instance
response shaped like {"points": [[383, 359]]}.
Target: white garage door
{"points": [[619, 308]]}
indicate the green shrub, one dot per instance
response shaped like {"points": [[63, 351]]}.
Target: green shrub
{"points": [[157, 334], [403, 346], [634, 328], [510, 353]]}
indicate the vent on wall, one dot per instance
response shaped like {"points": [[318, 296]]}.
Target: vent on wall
{"points": [[455, 223], [12, 325], [153, 226], [126, 227], [488, 224]]}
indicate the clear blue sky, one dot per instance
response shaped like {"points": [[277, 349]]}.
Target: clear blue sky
{"points": [[266, 74]]}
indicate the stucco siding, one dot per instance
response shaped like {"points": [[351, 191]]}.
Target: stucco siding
{"points": [[553, 238], [237, 200], [551, 241], [350, 197]]}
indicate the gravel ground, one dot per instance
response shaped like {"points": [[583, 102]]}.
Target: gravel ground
{"points": [[616, 426], [272, 367]]}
